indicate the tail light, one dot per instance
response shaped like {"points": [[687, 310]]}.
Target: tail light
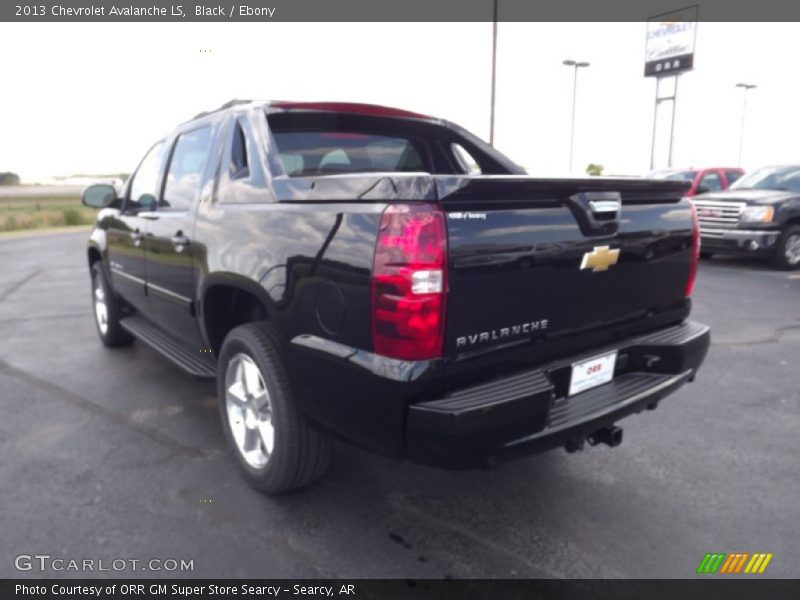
{"points": [[409, 282], [695, 251]]}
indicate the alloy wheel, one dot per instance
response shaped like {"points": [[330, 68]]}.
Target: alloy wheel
{"points": [[792, 249], [249, 411], [100, 306]]}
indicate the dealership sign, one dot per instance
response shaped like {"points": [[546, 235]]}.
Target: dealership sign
{"points": [[670, 42]]}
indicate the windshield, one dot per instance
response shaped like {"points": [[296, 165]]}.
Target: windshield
{"points": [[674, 175], [770, 178]]}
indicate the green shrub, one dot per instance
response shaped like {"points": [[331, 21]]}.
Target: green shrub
{"points": [[9, 178], [72, 216], [594, 169]]}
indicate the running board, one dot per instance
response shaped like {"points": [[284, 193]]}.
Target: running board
{"points": [[186, 356]]}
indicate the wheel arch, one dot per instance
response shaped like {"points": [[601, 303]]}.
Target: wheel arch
{"points": [[93, 255], [96, 247], [227, 301]]}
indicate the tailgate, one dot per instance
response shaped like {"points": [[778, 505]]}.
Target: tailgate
{"points": [[540, 267]]}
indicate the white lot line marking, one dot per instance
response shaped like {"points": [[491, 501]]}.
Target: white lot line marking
{"points": [[796, 276]]}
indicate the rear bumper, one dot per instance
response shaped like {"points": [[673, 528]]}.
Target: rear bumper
{"points": [[754, 241], [529, 412]]}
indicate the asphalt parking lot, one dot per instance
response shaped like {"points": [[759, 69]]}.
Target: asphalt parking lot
{"points": [[118, 454]]}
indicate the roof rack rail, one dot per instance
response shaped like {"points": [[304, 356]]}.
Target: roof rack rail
{"points": [[228, 104]]}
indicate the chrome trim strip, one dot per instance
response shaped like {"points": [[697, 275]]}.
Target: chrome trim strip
{"points": [[166, 292], [720, 204], [127, 276], [605, 206], [713, 231], [151, 286]]}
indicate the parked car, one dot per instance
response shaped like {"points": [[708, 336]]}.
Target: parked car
{"points": [[712, 179], [385, 277], [759, 215]]}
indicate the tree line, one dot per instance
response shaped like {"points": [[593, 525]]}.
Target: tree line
{"points": [[9, 178]]}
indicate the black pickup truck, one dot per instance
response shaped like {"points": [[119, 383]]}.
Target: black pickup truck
{"points": [[758, 215], [385, 277]]}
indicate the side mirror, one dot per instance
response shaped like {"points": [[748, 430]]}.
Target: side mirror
{"points": [[99, 195], [702, 189]]}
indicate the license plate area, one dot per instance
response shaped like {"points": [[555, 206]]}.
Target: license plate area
{"points": [[592, 372]]}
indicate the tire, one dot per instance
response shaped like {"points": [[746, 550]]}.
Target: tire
{"points": [[706, 255], [107, 310], [787, 251], [275, 446]]}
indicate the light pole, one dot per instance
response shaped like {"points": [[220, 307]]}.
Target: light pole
{"points": [[494, 72], [745, 87], [576, 65]]}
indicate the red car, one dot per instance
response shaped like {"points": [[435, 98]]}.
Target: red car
{"points": [[712, 179]]}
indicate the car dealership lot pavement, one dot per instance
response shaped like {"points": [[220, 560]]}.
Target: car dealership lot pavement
{"points": [[118, 455]]}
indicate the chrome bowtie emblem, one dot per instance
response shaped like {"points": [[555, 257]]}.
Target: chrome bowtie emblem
{"points": [[600, 258]]}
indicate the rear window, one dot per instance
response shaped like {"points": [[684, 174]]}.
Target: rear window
{"points": [[330, 152]]}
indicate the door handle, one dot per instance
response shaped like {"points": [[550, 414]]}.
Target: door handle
{"points": [[597, 213]]}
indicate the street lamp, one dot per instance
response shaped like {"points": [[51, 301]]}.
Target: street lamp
{"points": [[745, 87], [494, 72], [577, 65]]}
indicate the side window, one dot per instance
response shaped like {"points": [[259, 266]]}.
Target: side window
{"points": [[186, 169], [239, 155], [143, 192], [732, 176], [711, 182], [292, 163], [464, 160], [239, 165]]}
